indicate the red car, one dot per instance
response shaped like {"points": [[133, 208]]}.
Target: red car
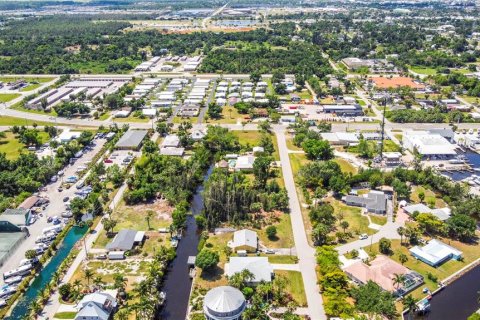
{"points": [[108, 161]]}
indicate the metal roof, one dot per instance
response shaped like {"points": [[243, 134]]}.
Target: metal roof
{"points": [[124, 240], [224, 301], [132, 138]]}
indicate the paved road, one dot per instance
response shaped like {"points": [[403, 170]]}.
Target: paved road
{"points": [[306, 253]]}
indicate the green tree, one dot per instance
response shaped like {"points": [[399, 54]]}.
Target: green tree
{"points": [[385, 246], [344, 224], [271, 232], [317, 149], [402, 257], [462, 226], [207, 259], [30, 254]]}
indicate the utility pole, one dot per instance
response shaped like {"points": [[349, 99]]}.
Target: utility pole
{"points": [[383, 126]]}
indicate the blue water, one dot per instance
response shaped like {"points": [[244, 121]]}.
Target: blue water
{"points": [[474, 160], [45, 276]]}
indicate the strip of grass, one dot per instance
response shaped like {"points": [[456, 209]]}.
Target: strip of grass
{"points": [[13, 121], [6, 97], [65, 315], [27, 79], [425, 71], [380, 220], [297, 160], [279, 259], [346, 166], [31, 87]]}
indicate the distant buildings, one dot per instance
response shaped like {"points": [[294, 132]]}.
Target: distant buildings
{"points": [[224, 303], [344, 110], [435, 253]]}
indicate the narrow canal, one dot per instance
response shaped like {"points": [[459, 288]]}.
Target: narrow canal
{"points": [[45, 276], [177, 283], [457, 301]]}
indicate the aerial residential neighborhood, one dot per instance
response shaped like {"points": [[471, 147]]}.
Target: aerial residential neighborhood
{"points": [[239, 160]]}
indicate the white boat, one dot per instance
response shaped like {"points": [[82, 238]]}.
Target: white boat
{"points": [[456, 161], [13, 280], [7, 291], [3, 303]]}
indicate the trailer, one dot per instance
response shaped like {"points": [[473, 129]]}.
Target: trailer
{"points": [[20, 271]]}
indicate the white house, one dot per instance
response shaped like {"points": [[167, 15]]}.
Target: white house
{"points": [[261, 269], [96, 306]]}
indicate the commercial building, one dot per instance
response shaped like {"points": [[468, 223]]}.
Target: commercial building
{"points": [[382, 271], [344, 110], [340, 138], [435, 253], [261, 269], [18, 217], [224, 303], [430, 146], [374, 201], [131, 140], [11, 236]]}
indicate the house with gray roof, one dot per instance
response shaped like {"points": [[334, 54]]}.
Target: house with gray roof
{"points": [[96, 306], [373, 202], [244, 240], [131, 140], [125, 240]]}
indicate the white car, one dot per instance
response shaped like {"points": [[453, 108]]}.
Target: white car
{"points": [[363, 236]]}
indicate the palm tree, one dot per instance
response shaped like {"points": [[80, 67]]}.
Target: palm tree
{"points": [[119, 282], [410, 303], [88, 275], [77, 284], [398, 280], [148, 217], [98, 282], [401, 233], [35, 307]]}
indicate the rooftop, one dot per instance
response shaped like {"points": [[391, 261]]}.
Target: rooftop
{"points": [[224, 301], [435, 252], [261, 269], [131, 139], [124, 240], [395, 82]]}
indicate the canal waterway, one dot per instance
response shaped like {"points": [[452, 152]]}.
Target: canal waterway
{"points": [[45, 275], [177, 283], [457, 301]]}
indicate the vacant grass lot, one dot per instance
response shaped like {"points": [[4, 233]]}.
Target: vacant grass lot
{"points": [[425, 71], [430, 197], [12, 147], [346, 166], [284, 237], [12, 121], [294, 285], [229, 115], [358, 224], [252, 138]]}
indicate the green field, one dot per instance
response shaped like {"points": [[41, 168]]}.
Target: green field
{"points": [[12, 121], [294, 285], [6, 97], [12, 147], [425, 71]]}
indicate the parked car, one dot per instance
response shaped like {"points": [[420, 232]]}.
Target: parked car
{"points": [[66, 199], [108, 161], [101, 257], [363, 236]]}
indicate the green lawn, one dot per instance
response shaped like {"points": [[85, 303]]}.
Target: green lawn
{"points": [[430, 197], [425, 71], [104, 116], [279, 259], [297, 160], [12, 121], [294, 286], [358, 224], [31, 87], [65, 315], [132, 119], [17, 106], [346, 166], [252, 138], [6, 97], [380, 220], [284, 238], [12, 147], [229, 115], [290, 144], [187, 119]]}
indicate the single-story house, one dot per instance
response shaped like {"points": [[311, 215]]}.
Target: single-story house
{"points": [[435, 253], [125, 240], [244, 240], [441, 213], [172, 151], [96, 306], [374, 201], [244, 163], [131, 140], [68, 135], [392, 158], [18, 217], [340, 138], [258, 150], [382, 271], [172, 140], [149, 112], [261, 269]]}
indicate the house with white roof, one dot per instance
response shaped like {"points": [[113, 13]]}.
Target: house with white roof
{"points": [[244, 163], [435, 253], [96, 306], [171, 140], [441, 213], [244, 240], [261, 269]]}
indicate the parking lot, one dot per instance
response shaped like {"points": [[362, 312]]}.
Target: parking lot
{"points": [[120, 157], [55, 208]]}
